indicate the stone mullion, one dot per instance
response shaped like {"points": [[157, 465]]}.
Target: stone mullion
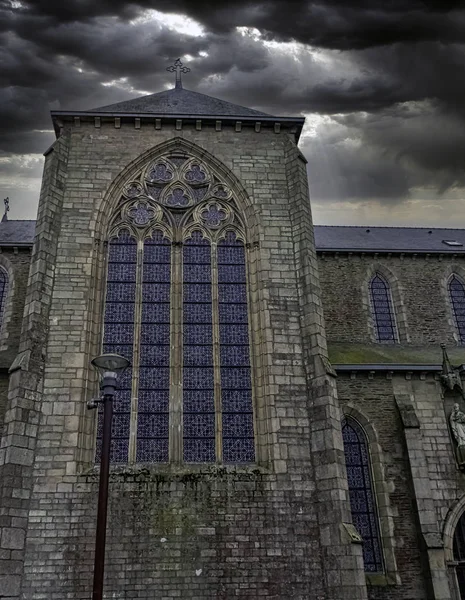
{"points": [[216, 353], [176, 356], [132, 450]]}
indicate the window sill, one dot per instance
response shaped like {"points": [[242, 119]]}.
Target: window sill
{"points": [[380, 579]]}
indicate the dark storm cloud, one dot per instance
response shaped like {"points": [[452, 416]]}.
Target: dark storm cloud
{"points": [[390, 76]]}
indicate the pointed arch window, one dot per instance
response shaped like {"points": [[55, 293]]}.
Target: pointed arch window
{"points": [[384, 320], [459, 554], [3, 292], [177, 307], [362, 498], [457, 298]]}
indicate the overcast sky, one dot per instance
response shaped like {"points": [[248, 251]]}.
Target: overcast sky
{"points": [[380, 82]]}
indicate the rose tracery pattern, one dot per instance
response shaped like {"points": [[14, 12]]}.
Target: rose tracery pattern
{"points": [[213, 215], [160, 173], [195, 174], [177, 198], [141, 214]]}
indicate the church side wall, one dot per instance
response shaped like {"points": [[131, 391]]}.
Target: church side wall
{"points": [[419, 292], [175, 532]]}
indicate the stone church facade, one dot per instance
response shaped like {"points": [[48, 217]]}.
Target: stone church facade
{"points": [[288, 427]]}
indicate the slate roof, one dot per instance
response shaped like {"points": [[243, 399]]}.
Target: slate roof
{"points": [[327, 237], [17, 233], [179, 101], [400, 239]]}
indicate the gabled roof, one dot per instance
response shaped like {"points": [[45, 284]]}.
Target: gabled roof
{"points": [[327, 238], [179, 101], [389, 239]]}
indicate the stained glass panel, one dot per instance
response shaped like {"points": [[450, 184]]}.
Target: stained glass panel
{"points": [[362, 500], [382, 309], [154, 372], [198, 377], [236, 394], [457, 296], [119, 337]]}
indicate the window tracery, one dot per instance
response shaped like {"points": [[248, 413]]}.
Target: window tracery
{"points": [[384, 320], [457, 298], [176, 307], [361, 493]]}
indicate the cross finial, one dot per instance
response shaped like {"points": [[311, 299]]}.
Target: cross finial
{"points": [[178, 68], [6, 201]]}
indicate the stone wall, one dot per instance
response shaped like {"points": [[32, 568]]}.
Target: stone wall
{"points": [[274, 531]]}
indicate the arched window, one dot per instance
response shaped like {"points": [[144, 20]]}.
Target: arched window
{"points": [[362, 497], [457, 298], [177, 308], [3, 292], [459, 554], [384, 320]]}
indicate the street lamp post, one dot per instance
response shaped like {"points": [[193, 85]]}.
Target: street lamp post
{"points": [[109, 366]]}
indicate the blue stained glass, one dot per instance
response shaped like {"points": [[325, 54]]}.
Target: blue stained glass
{"points": [[154, 378], [116, 333], [119, 312], [361, 494], [234, 356], [155, 334], [121, 292], [198, 378], [200, 356], [199, 193], [160, 172], [199, 425], [236, 400], [152, 424], [197, 334], [121, 272], [198, 401], [235, 378], [234, 334], [197, 313], [233, 313], [457, 294], [197, 254], [195, 174], [156, 272], [238, 450], [156, 292], [213, 215], [231, 255], [197, 273], [125, 350], [152, 450], [122, 401], [157, 238], [156, 253], [122, 253], [237, 425], [232, 293], [199, 450], [141, 214], [197, 293], [383, 313], [118, 449], [155, 312], [156, 401], [231, 274], [177, 198], [155, 355]]}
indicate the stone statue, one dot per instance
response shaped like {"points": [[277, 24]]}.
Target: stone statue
{"points": [[457, 424]]}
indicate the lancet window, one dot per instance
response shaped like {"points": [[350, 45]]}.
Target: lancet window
{"points": [[177, 307], [459, 555], [384, 320], [457, 298], [361, 493], [3, 292]]}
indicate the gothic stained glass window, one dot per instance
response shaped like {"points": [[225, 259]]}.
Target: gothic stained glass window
{"points": [[459, 554], [119, 336], [236, 386], [3, 291], [198, 374], [154, 353], [362, 498], [383, 313], [457, 296], [176, 306]]}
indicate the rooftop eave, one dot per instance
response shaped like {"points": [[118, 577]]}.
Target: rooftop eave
{"points": [[391, 250], [63, 115]]}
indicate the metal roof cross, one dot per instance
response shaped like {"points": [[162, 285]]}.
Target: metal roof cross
{"points": [[179, 69]]}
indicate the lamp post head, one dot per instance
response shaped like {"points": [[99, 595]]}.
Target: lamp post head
{"points": [[109, 367]]}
